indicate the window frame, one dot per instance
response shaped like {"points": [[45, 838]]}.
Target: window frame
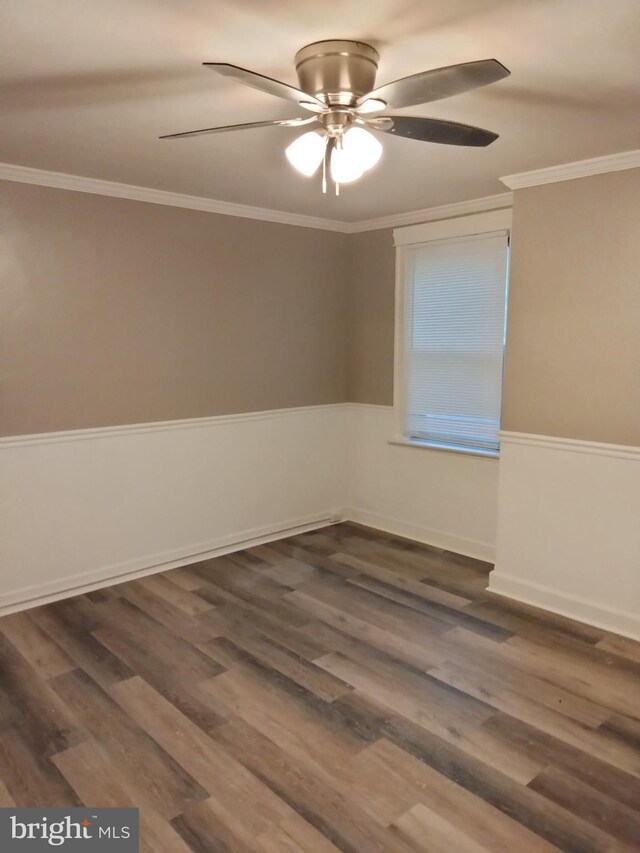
{"points": [[412, 237]]}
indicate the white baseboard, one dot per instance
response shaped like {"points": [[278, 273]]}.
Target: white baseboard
{"points": [[436, 538], [573, 607], [59, 588]]}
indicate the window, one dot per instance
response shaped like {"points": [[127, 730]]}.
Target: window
{"points": [[452, 325]]}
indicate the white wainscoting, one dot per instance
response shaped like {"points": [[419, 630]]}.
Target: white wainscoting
{"points": [[569, 529], [444, 499], [82, 509]]}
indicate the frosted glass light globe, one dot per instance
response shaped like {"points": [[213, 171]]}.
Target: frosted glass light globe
{"points": [[362, 146], [306, 152], [345, 167]]}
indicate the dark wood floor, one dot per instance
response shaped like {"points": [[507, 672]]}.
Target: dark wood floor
{"points": [[340, 689]]}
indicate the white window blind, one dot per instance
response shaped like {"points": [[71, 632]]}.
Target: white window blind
{"points": [[455, 298]]}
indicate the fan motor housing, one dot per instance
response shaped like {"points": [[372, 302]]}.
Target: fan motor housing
{"points": [[337, 72]]}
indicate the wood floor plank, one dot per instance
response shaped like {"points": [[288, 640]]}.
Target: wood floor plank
{"points": [[30, 777], [438, 714], [488, 826], [622, 729], [94, 778], [330, 760], [159, 643], [542, 817], [528, 621], [233, 615], [342, 822], [200, 756], [239, 800], [325, 566], [617, 680], [245, 596], [622, 646], [419, 693], [30, 706], [177, 685], [244, 581], [343, 689], [204, 830], [382, 610], [183, 578], [83, 648], [438, 611], [6, 800], [129, 747], [589, 804], [439, 569], [399, 578], [313, 727], [191, 629], [522, 697], [373, 657], [593, 741], [407, 648], [40, 650], [286, 570], [557, 752], [618, 691], [426, 830], [305, 673], [186, 601]]}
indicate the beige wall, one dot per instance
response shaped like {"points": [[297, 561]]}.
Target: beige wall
{"points": [[116, 311], [573, 346], [371, 317]]}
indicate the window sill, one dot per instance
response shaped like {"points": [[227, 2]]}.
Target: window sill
{"points": [[427, 445]]}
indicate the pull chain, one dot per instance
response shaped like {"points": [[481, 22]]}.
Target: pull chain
{"points": [[338, 145], [324, 173]]}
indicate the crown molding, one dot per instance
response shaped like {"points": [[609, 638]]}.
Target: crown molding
{"points": [[78, 183], [578, 169], [564, 172], [63, 181], [431, 214]]}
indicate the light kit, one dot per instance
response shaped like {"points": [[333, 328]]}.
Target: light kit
{"points": [[344, 154]]}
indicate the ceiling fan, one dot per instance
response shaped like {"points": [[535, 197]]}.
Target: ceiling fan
{"points": [[337, 85]]}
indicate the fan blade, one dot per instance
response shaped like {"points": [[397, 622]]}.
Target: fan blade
{"points": [[439, 83], [433, 130], [264, 84], [290, 122]]}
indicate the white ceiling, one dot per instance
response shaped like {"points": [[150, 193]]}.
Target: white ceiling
{"points": [[87, 86]]}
